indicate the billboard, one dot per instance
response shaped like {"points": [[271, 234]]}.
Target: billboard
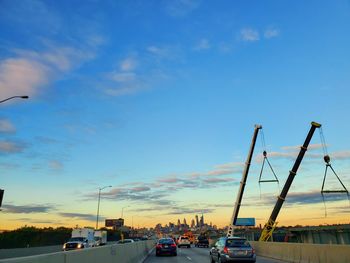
{"points": [[114, 222], [250, 221]]}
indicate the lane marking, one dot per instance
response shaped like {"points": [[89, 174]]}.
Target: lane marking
{"points": [[189, 258]]}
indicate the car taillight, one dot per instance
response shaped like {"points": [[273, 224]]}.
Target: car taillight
{"points": [[253, 251], [226, 250], [159, 246], [173, 245]]}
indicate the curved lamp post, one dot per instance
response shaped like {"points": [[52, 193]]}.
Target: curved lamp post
{"points": [[98, 205], [14, 97], [1, 101]]}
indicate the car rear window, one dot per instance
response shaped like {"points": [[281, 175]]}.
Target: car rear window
{"points": [[166, 241], [237, 243], [184, 237]]}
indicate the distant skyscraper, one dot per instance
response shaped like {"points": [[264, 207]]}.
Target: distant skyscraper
{"points": [[202, 220], [197, 222], [185, 221], [192, 223], [178, 222]]}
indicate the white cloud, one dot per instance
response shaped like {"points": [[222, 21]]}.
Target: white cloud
{"points": [[6, 126], [123, 76], [178, 8], [128, 64], [297, 147], [161, 52], [22, 77], [11, 147], [30, 71], [270, 33], [55, 165], [203, 45], [250, 35]]}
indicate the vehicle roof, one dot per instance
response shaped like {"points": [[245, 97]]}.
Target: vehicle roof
{"points": [[234, 238]]}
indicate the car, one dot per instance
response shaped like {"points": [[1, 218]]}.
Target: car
{"points": [[183, 241], [166, 246], [232, 249], [201, 241], [76, 243], [124, 241]]}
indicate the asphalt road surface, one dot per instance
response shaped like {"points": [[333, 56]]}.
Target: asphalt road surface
{"points": [[195, 255]]}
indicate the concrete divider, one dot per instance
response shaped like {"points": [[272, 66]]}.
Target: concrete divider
{"points": [[303, 253], [121, 253], [30, 251]]}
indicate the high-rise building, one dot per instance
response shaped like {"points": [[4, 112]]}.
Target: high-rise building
{"points": [[178, 223], [202, 221], [192, 223], [197, 222]]}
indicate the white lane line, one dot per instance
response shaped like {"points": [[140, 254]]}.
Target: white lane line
{"points": [[189, 258]]}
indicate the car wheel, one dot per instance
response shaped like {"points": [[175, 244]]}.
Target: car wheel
{"points": [[175, 254], [189, 246]]}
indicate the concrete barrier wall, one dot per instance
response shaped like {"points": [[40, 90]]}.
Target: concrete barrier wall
{"points": [[121, 253], [30, 251], [303, 253]]}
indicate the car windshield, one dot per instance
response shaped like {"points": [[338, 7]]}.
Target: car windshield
{"points": [[166, 241], [237, 243], [184, 237], [73, 239]]}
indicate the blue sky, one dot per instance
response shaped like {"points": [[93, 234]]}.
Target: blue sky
{"points": [[159, 100]]}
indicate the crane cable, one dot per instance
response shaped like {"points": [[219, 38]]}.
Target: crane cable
{"points": [[263, 164], [327, 160]]}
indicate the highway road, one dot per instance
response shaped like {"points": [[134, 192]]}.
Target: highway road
{"points": [[195, 255]]}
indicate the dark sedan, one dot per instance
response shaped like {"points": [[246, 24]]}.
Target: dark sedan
{"points": [[166, 246], [232, 249]]}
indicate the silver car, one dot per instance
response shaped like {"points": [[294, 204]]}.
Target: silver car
{"points": [[232, 249]]}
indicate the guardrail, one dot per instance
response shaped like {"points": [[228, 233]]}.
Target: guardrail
{"points": [[121, 253], [303, 253]]}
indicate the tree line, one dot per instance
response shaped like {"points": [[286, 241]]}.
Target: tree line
{"points": [[30, 236]]}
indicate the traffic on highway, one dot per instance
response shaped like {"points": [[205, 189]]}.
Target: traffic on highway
{"points": [[194, 255]]}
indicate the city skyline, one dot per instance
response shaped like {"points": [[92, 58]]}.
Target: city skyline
{"points": [[159, 99]]}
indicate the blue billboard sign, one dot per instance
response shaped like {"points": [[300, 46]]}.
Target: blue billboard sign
{"points": [[250, 221]]}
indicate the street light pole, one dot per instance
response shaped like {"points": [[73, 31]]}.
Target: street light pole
{"points": [[13, 97], [123, 210], [98, 205], [1, 101]]}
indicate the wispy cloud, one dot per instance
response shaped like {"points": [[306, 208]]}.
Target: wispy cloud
{"points": [[55, 165], [22, 76], [249, 35], [7, 147], [203, 44], [27, 209], [297, 148], [87, 217], [186, 210], [29, 71], [128, 64], [179, 8], [271, 33], [6, 126]]}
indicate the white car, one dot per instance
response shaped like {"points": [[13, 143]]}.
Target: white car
{"points": [[183, 241]]}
